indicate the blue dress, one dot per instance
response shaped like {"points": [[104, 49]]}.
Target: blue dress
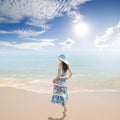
{"points": [[60, 95]]}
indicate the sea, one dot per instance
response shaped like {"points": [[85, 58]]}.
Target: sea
{"points": [[34, 71]]}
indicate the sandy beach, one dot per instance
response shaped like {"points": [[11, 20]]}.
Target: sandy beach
{"points": [[18, 104]]}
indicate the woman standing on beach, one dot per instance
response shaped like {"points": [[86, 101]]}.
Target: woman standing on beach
{"points": [[60, 95]]}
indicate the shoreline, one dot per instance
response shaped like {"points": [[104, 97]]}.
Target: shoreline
{"points": [[84, 90], [69, 91]]}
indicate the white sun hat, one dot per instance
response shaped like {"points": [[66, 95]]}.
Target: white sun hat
{"points": [[62, 57]]}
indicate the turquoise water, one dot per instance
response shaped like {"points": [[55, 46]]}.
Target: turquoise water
{"points": [[35, 71]]}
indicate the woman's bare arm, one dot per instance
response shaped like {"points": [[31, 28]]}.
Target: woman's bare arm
{"points": [[70, 73]]}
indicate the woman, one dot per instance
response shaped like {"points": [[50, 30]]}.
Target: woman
{"points": [[60, 95]]}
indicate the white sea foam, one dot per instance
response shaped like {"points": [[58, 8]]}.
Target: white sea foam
{"points": [[94, 90], [44, 86]]}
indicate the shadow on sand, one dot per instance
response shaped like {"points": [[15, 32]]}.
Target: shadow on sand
{"points": [[61, 118]]}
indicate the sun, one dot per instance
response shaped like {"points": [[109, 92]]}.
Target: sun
{"points": [[81, 29]]}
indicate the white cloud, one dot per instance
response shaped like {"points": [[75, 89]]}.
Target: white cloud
{"points": [[38, 11], [31, 45], [39, 23], [75, 3], [3, 19], [67, 43], [29, 33], [7, 20], [110, 39], [75, 16], [5, 43], [5, 32], [24, 33]]}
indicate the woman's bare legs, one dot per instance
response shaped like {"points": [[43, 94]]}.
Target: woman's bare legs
{"points": [[65, 109]]}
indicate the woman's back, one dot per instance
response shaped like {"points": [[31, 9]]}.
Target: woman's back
{"points": [[63, 72]]}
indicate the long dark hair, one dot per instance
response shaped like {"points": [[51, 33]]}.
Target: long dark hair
{"points": [[65, 66]]}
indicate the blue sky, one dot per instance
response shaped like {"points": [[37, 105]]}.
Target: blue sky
{"points": [[37, 25]]}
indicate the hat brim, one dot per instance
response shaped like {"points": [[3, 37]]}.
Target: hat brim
{"points": [[65, 61]]}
